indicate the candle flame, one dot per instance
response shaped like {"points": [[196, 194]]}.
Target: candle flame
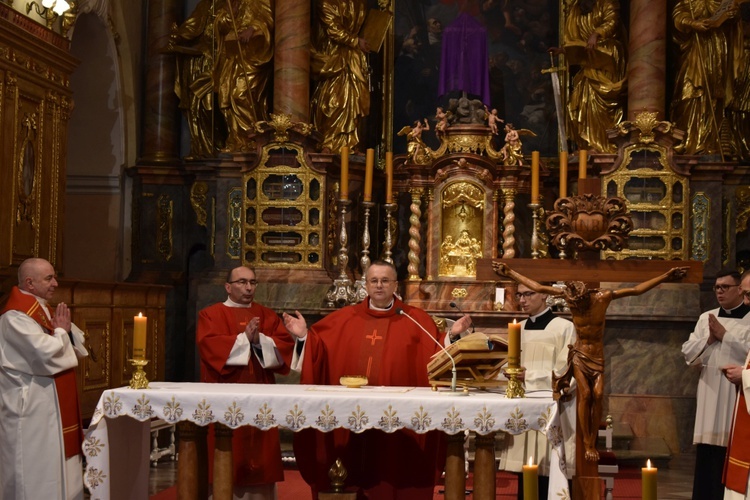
{"points": [[514, 321], [531, 460], [140, 315], [648, 463]]}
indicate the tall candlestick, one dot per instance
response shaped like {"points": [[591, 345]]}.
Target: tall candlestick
{"points": [[344, 188], [535, 177], [139, 336], [514, 344], [582, 158], [530, 481], [369, 166], [563, 174], [648, 482], [389, 177]]}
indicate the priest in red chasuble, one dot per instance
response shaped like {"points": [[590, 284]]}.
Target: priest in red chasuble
{"points": [[372, 339], [40, 419], [243, 342]]}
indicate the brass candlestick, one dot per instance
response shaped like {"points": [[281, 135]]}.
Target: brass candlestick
{"points": [[388, 245], [515, 386], [364, 262], [534, 232], [341, 292], [139, 380]]}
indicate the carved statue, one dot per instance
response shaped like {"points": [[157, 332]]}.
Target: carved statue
{"points": [[192, 42], [492, 120], [593, 41], [459, 258], [588, 308], [442, 121], [342, 92], [418, 151], [512, 153], [710, 51], [466, 111], [243, 66], [738, 109]]}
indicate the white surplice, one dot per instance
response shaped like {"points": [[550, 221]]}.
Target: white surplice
{"points": [[32, 456], [543, 351], [716, 395]]}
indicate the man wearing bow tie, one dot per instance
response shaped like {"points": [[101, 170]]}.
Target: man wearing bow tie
{"points": [[40, 418]]}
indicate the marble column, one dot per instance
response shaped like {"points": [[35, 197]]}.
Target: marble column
{"points": [[160, 118], [647, 57], [291, 64]]}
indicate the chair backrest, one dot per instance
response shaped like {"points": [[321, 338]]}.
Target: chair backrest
{"points": [[607, 432]]}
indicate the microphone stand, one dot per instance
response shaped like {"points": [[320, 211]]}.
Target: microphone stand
{"points": [[442, 347]]}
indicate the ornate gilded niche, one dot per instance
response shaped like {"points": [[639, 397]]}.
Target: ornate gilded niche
{"points": [[283, 207], [462, 229], [658, 202]]}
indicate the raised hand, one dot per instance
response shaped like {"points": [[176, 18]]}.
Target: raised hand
{"points": [[296, 324], [251, 331]]}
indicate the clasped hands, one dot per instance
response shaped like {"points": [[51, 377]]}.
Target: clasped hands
{"points": [[62, 317]]}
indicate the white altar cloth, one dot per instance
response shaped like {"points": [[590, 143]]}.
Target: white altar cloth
{"points": [[116, 449]]}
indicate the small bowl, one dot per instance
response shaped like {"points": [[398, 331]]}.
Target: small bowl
{"points": [[353, 381]]}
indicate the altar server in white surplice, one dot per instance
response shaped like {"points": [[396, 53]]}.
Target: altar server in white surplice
{"points": [[40, 418], [545, 338], [721, 337]]}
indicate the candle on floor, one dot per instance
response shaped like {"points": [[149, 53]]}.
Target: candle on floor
{"points": [[648, 482], [531, 481], [514, 344], [139, 336]]}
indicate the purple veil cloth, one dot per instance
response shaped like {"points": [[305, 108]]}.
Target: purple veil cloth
{"points": [[464, 63]]}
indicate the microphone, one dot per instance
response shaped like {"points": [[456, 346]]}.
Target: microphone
{"points": [[454, 305], [442, 347]]}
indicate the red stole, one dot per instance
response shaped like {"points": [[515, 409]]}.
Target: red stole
{"points": [[65, 382], [737, 464]]}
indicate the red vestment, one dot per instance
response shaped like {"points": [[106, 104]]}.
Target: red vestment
{"points": [[391, 351], [737, 463], [65, 381], [256, 454]]}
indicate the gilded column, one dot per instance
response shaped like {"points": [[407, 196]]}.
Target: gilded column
{"points": [[160, 119], [509, 219], [415, 233], [291, 65], [647, 57]]}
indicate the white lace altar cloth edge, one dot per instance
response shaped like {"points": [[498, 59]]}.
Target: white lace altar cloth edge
{"points": [[325, 408]]}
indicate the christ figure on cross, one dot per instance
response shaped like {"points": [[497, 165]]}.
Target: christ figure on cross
{"points": [[588, 309]]}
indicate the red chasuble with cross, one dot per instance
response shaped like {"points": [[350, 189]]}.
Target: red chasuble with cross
{"points": [[256, 454], [391, 351], [65, 381]]}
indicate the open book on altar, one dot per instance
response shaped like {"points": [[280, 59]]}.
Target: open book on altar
{"points": [[479, 358]]}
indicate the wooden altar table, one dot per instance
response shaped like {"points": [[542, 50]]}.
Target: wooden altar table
{"points": [[117, 449]]}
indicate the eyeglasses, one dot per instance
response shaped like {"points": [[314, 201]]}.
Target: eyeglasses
{"points": [[723, 288], [384, 281], [244, 282], [524, 295]]}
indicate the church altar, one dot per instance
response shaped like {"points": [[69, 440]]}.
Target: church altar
{"points": [[117, 449]]}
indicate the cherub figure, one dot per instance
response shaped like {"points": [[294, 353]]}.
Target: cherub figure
{"points": [[442, 121], [417, 149], [511, 152], [492, 120]]}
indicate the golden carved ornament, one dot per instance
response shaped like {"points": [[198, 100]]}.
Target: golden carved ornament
{"points": [[646, 122], [743, 207], [459, 293], [281, 124], [463, 192], [198, 193], [589, 223]]}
